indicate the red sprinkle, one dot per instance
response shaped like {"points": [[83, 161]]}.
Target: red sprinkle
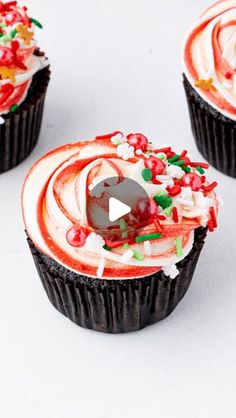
{"points": [[175, 215], [157, 225], [155, 181], [203, 165], [170, 154], [203, 178], [183, 154], [208, 189], [211, 226], [164, 150], [175, 190], [213, 217]]}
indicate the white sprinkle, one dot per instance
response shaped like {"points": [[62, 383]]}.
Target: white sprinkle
{"points": [[147, 248], [175, 171], [185, 202], [171, 271], [125, 151], [101, 268], [166, 179], [128, 255], [2, 120]]}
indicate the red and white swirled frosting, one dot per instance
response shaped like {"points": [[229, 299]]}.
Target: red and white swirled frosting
{"points": [[209, 56], [54, 201], [18, 64]]}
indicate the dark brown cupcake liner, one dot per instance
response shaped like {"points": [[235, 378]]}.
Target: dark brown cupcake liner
{"points": [[116, 306], [20, 132], [214, 133]]}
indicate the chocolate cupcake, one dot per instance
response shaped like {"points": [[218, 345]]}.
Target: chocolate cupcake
{"points": [[116, 228], [24, 78], [209, 59]]}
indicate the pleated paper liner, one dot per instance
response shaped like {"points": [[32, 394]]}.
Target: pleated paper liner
{"points": [[215, 134], [20, 132], [116, 306]]}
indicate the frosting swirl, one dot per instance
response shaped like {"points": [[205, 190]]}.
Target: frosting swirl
{"points": [[54, 203], [209, 56], [18, 63]]}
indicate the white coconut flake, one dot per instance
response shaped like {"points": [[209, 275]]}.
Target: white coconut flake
{"points": [[185, 202], [175, 172], [171, 271], [125, 151], [101, 268]]}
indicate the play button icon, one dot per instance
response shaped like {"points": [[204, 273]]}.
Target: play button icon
{"points": [[117, 209]]}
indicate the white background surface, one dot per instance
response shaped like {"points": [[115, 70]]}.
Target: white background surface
{"points": [[116, 65]]}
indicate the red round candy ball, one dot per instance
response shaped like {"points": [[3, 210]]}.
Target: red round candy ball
{"points": [[138, 141], [76, 236], [6, 56], [146, 208], [192, 180], [155, 165]]}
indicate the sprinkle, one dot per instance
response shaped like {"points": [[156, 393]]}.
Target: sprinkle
{"points": [[128, 255], [157, 225], [14, 107], [179, 163], [169, 210], [211, 226], [6, 90], [101, 268], [24, 34], [179, 248], [126, 246], [123, 225], [125, 151], [148, 237], [147, 248], [163, 201], [107, 248], [175, 215], [138, 256], [147, 174], [2, 120], [186, 169], [208, 189], [13, 33], [202, 165], [174, 158], [164, 150], [184, 153], [185, 202], [200, 169], [6, 73], [6, 39], [36, 23], [175, 190], [171, 271], [205, 84], [213, 217]]}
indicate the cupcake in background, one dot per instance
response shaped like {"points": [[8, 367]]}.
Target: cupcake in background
{"points": [[209, 60], [24, 78], [130, 272]]}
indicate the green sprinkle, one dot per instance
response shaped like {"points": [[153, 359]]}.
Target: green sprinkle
{"points": [[200, 170], [107, 248], [147, 174], [150, 142], [176, 157], [1, 35], [186, 169], [163, 201], [126, 246], [123, 226], [2, 25], [162, 193], [14, 108], [36, 23], [148, 237], [179, 163], [168, 211], [6, 38], [138, 256], [179, 248], [161, 157], [13, 33]]}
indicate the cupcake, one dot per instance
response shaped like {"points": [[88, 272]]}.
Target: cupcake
{"points": [[131, 271], [209, 60], [24, 78]]}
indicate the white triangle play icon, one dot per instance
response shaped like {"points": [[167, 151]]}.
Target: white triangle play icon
{"points": [[117, 209]]}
